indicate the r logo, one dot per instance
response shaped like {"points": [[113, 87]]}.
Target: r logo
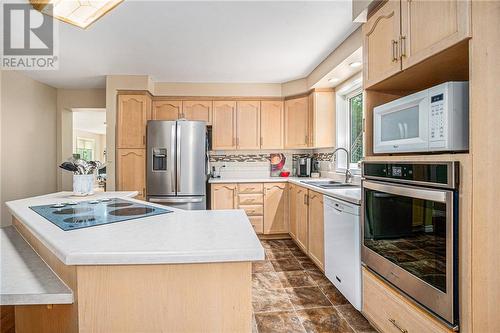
{"points": [[27, 31]]}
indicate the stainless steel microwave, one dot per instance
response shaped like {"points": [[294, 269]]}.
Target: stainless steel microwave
{"points": [[435, 119]]}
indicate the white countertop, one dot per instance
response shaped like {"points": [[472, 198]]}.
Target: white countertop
{"points": [[349, 194], [24, 278], [178, 237]]}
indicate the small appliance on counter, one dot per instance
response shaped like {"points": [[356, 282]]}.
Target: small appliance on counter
{"points": [[303, 166], [432, 120]]}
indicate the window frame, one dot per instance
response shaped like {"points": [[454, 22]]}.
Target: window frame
{"points": [[86, 140], [348, 90]]}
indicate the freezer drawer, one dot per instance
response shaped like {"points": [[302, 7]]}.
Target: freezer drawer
{"points": [[186, 203]]}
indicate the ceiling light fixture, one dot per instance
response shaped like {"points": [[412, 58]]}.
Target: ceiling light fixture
{"points": [[355, 64], [81, 13], [333, 80]]}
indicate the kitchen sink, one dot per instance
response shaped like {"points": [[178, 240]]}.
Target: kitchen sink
{"points": [[328, 184]]}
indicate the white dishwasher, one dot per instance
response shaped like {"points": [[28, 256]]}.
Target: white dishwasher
{"points": [[343, 248]]}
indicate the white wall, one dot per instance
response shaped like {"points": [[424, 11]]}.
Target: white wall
{"points": [[28, 139]]}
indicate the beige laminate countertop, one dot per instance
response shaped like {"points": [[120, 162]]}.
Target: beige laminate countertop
{"points": [[349, 194]]}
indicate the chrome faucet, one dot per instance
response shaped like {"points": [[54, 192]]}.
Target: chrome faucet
{"points": [[348, 174]]}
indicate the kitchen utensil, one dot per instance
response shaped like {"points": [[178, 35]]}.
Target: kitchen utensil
{"points": [[68, 166]]}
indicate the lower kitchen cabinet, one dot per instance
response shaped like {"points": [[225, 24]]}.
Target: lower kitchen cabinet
{"points": [[389, 311], [316, 232], [131, 171], [223, 196], [275, 208], [292, 210], [302, 218]]}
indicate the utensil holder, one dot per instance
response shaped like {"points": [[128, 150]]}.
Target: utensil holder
{"points": [[83, 184]]}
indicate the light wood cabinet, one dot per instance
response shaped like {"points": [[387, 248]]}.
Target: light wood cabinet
{"points": [[223, 196], [302, 218], [271, 124], [380, 44], [224, 125], [428, 27], [322, 119], [132, 115], [275, 208], [248, 125], [297, 123], [391, 312], [131, 171], [316, 249], [257, 223], [292, 211], [167, 110], [198, 110]]}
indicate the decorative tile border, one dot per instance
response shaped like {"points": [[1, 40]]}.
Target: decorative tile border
{"points": [[323, 157], [240, 158]]}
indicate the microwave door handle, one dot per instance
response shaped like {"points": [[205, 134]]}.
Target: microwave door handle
{"points": [[406, 130], [409, 191], [401, 131]]}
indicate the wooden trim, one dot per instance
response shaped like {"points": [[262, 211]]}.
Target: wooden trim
{"points": [[217, 98], [134, 92]]}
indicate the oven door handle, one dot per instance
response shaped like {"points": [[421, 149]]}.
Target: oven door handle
{"points": [[409, 191]]}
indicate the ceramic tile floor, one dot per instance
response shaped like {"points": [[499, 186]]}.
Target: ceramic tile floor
{"points": [[290, 294]]}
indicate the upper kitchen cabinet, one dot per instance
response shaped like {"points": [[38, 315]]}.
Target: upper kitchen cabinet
{"points": [[297, 123], [224, 125], [403, 33], [429, 27], [132, 115], [248, 125], [322, 119], [380, 44], [197, 110], [131, 171], [271, 124], [167, 110], [275, 208]]}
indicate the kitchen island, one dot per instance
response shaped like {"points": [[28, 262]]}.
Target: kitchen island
{"points": [[186, 271]]}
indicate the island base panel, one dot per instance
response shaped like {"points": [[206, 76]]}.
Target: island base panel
{"points": [[212, 297]]}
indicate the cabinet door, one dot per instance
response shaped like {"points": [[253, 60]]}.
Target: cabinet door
{"points": [[167, 110], [380, 44], [248, 124], [275, 208], [271, 124], [223, 196], [316, 229], [131, 171], [297, 123], [292, 217], [224, 125], [302, 218], [132, 115], [322, 106], [198, 110], [429, 27]]}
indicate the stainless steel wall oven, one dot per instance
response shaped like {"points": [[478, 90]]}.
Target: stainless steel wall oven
{"points": [[410, 230]]}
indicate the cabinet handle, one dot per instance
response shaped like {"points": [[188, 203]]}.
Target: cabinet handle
{"points": [[402, 330], [306, 142], [234, 142], [394, 50], [143, 139], [403, 46], [261, 141], [144, 192], [237, 142]]}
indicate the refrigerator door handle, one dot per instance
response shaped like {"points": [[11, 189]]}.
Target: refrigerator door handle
{"points": [[176, 200], [173, 147], [178, 157]]}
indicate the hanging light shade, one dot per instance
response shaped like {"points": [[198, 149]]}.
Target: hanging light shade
{"points": [[80, 13]]}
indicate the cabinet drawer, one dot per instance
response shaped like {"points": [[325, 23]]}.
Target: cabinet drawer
{"points": [[257, 223], [250, 199], [253, 210], [388, 310], [250, 188]]}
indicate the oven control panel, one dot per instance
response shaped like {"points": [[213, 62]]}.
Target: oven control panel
{"points": [[413, 172]]}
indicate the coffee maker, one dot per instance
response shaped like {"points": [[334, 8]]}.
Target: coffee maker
{"points": [[303, 166]]}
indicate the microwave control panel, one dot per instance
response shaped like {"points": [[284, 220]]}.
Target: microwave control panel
{"points": [[437, 118]]}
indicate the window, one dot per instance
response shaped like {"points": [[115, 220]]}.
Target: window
{"points": [[356, 127], [85, 148], [349, 97]]}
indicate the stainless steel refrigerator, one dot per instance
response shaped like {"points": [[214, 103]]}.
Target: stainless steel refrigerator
{"points": [[177, 163]]}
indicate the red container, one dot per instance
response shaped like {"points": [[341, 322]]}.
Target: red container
{"points": [[285, 173]]}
